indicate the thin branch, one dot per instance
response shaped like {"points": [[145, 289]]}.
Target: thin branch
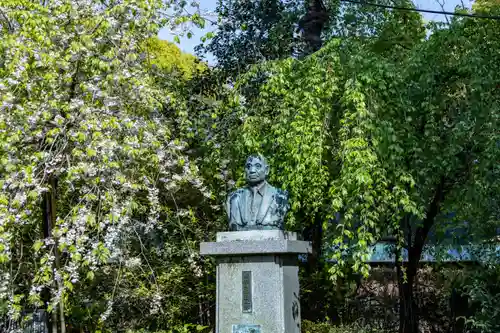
{"points": [[20, 263], [441, 4], [11, 28], [117, 280], [180, 224], [147, 261]]}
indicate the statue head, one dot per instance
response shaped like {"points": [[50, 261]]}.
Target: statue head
{"points": [[256, 169]]}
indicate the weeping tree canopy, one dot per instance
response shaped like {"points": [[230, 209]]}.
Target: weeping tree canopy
{"points": [[387, 130], [255, 31], [376, 145]]}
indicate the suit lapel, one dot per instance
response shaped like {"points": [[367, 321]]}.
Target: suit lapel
{"points": [[245, 206], [265, 204]]}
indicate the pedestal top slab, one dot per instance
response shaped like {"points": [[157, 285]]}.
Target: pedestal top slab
{"points": [[255, 242], [255, 235], [249, 247]]}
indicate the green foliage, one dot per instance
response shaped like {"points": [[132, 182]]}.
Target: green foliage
{"points": [[253, 31], [385, 134], [481, 286], [381, 133], [399, 32], [387, 144], [311, 327], [186, 328], [167, 57], [84, 121], [491, 7]]}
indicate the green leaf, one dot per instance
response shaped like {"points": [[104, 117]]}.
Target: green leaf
{"points": [[37, 245]]}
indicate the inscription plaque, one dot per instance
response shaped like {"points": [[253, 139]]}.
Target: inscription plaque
{"points": [[246, 329], [246, 290]]}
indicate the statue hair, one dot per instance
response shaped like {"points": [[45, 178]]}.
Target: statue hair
{"points": [[260, 157]]}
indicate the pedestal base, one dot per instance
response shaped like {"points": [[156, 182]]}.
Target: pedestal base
{"points": [[257, 281]]}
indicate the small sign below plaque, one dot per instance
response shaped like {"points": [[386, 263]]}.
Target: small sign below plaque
{"points": [[246, 329], [246, 291]]}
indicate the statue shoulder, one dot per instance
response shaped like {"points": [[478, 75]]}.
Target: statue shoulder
{"points": [[235, 194], [279, 193], [282, 194]]}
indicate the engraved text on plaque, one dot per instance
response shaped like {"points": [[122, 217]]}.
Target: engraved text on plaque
{"points": [[246, 280]]}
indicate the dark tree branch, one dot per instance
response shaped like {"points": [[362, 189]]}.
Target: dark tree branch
{"points": [[312, 24], [6, 18], [415, 250]]}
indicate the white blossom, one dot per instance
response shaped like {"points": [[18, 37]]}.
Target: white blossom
{"points": [[133, 262], [108, 132], [155, 303], [104, 316]]}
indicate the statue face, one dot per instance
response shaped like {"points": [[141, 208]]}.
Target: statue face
{"points": [[256, 170]]}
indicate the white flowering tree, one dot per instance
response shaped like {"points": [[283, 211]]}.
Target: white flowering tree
{"points": [[90, 157]]}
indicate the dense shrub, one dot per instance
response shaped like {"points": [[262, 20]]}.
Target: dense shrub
{"points": [[312, 327]]}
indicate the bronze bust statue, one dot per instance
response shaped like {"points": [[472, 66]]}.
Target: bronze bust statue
{"points": [[259, 205]]}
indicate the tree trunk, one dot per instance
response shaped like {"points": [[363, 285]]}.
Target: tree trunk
{"points": [[47, 232], [49, 220], [408, 307], [54, 321], [314, 301], [459, 310], [53, 189], [312, 25]]}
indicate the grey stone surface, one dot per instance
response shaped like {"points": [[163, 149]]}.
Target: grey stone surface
{"points": [[275, 293], [255, 235], [291, 294], [251, 247], [272, 258]]}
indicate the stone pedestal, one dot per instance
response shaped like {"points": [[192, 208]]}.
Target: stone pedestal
{"points": [[257, 281]]}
